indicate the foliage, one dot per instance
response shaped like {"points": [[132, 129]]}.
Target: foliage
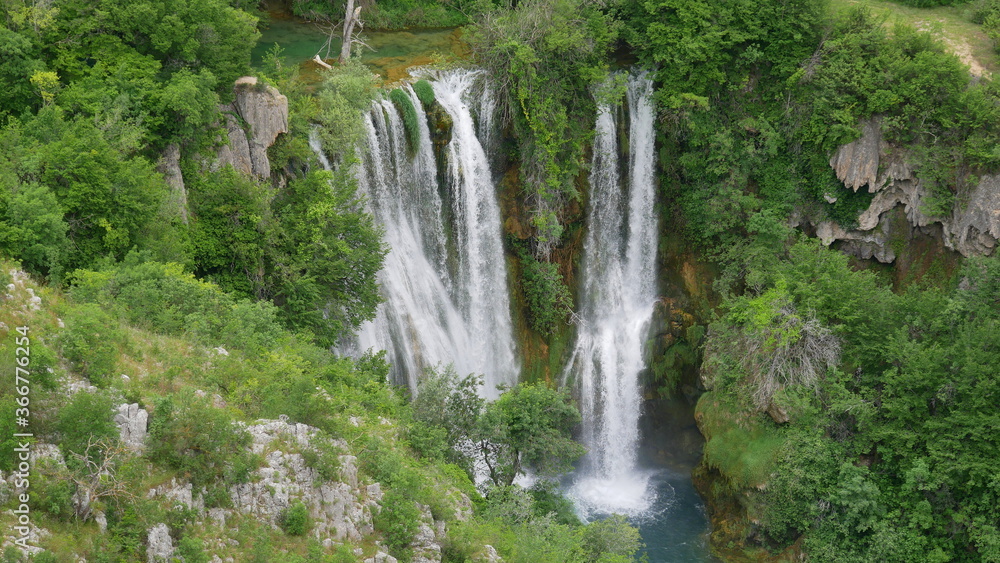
{"points": [[86, 416], [405, 106], [424, 92], [527, 428], [343, 96], [888, 457], [546, 294], [188, 434], [544, 55], [611, 539], [91, 343], [98, 196], [295, 520], [397, 521]]}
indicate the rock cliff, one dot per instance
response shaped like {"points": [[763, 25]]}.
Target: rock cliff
{"points": [[972, 228], [253, 121], [265, 112]]}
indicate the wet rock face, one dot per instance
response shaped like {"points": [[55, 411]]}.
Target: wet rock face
{"points": [[264, 111], [972, 228]]}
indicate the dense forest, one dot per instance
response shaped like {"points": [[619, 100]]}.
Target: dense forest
{"points": [[848, 403]]}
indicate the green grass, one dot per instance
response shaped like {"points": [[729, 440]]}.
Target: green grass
{"points": [[951, 24]]}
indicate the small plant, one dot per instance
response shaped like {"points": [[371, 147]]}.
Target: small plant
{"points": [[295, 520]]}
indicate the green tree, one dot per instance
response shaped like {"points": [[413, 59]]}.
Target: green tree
{"points": [[527, 429]]}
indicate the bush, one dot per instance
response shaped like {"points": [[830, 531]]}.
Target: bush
{"points": [[188, 434], [191, 550], [398, 521], [86, 418], [548, 299], [91, 342], [295, 520]]}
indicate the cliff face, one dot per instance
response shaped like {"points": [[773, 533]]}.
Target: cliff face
{"points": [[972, 228], [265, 112]]}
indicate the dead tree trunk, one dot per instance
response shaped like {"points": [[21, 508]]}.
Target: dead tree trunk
{"points": [[351, 17]]}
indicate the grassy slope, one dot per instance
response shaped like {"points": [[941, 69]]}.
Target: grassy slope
{"points": [[951, 24]]}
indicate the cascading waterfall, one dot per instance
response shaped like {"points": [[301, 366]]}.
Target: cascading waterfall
{"points": [[445, 278], [617, 295]]}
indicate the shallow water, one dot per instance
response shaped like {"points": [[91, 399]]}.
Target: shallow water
{"points": [[390, 52]]}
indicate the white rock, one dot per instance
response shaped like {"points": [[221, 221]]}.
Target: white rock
{"points": [[131, 422], [160, 545]]}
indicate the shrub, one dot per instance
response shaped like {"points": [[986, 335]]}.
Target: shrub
{"points": [[191, 550], [86, 418], [397, 521], [548, 299], [90, 343], [188, 434], [295, 520]]}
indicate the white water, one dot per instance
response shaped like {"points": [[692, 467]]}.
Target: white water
{"points": [[446, 301], [617, 295]]}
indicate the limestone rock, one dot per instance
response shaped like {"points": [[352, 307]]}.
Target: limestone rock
{"points": [[972, 229], [426, 545], [265, 110], [381, 557], [237, 152], [862, 244], [975, 227], [181, 494], [131, 421], [160, 545], [490, 555], [170, 166], [856, 163], [778, 413], [341, 510]]}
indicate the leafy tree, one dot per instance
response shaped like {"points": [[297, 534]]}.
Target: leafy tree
{"points": [[34, 230], [528, 428], [328, 254]]}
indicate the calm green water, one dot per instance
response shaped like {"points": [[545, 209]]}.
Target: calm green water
{"points": [[302, 40]]}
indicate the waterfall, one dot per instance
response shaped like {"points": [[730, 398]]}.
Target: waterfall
{"points": [[445, 277], [617, 295]]}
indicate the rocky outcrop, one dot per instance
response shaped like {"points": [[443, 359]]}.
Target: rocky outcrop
{"points": [[264, 111], [160, 547], [131, 421], [170, 166], [972, 228], [341, 510], [856, 163]]}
